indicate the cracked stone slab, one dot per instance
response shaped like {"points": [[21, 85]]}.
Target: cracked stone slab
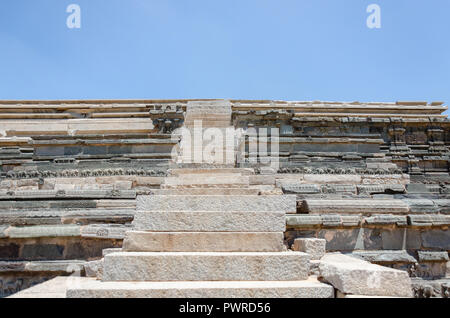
{"points": [[351, 275], [385, 256]]}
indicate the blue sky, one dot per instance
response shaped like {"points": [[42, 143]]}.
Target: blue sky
{"points": [[249, 49]]}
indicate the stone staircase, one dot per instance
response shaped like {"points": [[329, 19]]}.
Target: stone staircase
{"points": [[227, 243]]}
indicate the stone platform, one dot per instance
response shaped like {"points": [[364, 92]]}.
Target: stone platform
{"points": [[369, 180]]}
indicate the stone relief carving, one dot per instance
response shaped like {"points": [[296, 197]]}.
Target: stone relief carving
{"points": [[167, 118], [29, 174], [328, 170]]}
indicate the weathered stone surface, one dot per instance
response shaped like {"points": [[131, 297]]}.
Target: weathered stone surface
{"points": [[210, 221], [105, 231], [44, 231], [282, 203], [197, 180], [424, 288], [421, 205], [213, 171], [206, 266], [331, 178], [438, 239], [443, 205], [311, 288], [427, 220], [72, 194], [431, 256], [262, 179], [340, 239], [3, 231], [416, 188], [107, 251], [300, 220], [207, 191], [385, 256], [53, 288], [331, 220], [387, 219], [353, 276], [314, 247], [67, 266], [203, 242], [295, 187], [350, 220], [94, 268], [354, 206], [42, 251]]}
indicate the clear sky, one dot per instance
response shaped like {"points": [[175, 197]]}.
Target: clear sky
{"points": [[249, 49]]}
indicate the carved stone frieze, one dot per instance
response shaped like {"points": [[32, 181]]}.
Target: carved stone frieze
{"points": [[70, 173]]}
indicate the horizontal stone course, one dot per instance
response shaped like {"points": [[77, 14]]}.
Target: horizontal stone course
{"points": [[105, 231], [53, 216], [206, 266], [139, 241], [79, 194], [44, 231], [66, 266], [354, 206], [433, 256], [388, 219]]}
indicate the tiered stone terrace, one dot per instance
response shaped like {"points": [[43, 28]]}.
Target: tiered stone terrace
{"points": [[77, 177]]}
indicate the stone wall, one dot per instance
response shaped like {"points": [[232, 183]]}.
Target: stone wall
{"points": [[372, 179]]}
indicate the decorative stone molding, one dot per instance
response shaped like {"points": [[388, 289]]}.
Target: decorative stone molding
{"points": [[167, 118], [69, 173], [329, 170]]}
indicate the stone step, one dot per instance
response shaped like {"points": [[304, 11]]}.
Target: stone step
{"points": [[205, 266], [244, 221], [139, 241], [208, 123], [205, 181], [217, 203], [211, 171], [207, 191], [91, 288]]}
